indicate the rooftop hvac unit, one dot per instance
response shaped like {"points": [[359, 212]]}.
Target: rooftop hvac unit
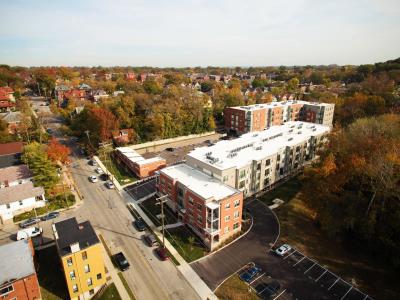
{"points": [[315, 129], [290, 139], [299, 132]]}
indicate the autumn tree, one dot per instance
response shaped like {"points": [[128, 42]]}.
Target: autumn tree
{"points": [[58, 152]]}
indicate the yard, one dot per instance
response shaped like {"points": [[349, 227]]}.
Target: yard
{"points": [[50, 275], [123, 175], [152, 210], [235, 289], [284, 191], [186, 243], [110, 292], [54, 203], [345, 258]]}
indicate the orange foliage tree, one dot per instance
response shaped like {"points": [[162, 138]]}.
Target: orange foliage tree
{"points": [[57, 151]]}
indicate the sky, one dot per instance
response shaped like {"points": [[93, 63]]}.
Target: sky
{"points": [[180, 33]]}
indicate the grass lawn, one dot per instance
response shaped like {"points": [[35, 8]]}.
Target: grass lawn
{"points": [[123, 175], [285, 191], [152, 210], [111, 292], [54, 203], [235, 289], [179, 238], [346, 259], [128, 289], [50, 275]]}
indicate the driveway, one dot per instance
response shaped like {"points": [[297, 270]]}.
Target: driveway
{"points": [[253, 246]]}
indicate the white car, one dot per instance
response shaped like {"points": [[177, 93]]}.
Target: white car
{"points": [[282, 250], [28, 233], [93, 178], [99, 170], [110, 184]]}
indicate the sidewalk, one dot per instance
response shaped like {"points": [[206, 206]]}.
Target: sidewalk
{"points": [[113, 273], [186, 270]]}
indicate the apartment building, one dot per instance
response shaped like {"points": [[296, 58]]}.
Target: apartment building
{"points": [[210, 208], [257, 160], [81, 258], [18, 279], [140, 166], [243, 119]]}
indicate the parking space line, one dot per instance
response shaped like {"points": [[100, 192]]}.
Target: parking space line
{"points": [[346, 292], [257, 278], [366, 296], [280, 294], [299, 261], [337, 279], [310, 268], [290, 254], [321, 275]]}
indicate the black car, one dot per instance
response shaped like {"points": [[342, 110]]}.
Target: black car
{"points": [[50, 216], [121, 261], [170, 149], [29, 222], [140, 224]]}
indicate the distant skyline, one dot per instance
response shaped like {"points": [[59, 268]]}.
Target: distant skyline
{"points": [[180, 33]]}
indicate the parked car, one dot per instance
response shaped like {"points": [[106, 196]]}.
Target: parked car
{"points": [[110, 184], [93, 178], [49, 130], [50, 216], [170, 149], [93, 162], [162, 253], [250, 273], [140, 224], [28, 233], [99, 170], [121, 261], [29, 222], [267, 290], [151, 240], [282, 250]]}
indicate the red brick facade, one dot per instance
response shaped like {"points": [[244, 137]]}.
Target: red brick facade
{"points": [[23, 289]]}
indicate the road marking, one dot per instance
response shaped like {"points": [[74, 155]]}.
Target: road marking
{"points": [[334, 283], [257, 278], [321, 276], [279, 294], [366, 296], [290, 254], [299, 261], [310, 268], [346, 293]]}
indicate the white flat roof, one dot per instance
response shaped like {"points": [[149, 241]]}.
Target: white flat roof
{"points": [[135, 157], [256, 145], [278, 104], [200, 183], [150, 160]]}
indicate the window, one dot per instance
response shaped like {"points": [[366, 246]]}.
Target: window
{"points": [[237, 203], [227, 218], [8, 205], [89, 281], [226, 230], [241, 184], [72, 275], [91, 292], [199, 218], [199, 206], [75, 288], [20, 203], [266, 172], [190, 199], [69, 261], [84, 255], [87, 268], [6, 290], [98, 276], [227, 206], [225, 179], [242, 174], [267, 162], [236, 226], [236, 214]]}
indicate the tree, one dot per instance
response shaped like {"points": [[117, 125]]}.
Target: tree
{"points": [[191, 241], [152, 87], [58, 152]]}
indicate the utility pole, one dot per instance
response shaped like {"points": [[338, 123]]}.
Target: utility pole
{"points": [[161, 202]]}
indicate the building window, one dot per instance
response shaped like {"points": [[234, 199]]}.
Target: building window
{"points": [[5, 290], [227, 218], [72, 275], [226, 230], [237, 203], [8, 205], [199, 218], [69, 261], [242, 174], [87, 268], [241, 184], [84, 255], [190, 199], [75, 288], [199, 206], [236, 214], [98, 276], [225, 179], [89, 281], [267, 162], [227, 206], [20, 203], [236, 226], [91, 292]]}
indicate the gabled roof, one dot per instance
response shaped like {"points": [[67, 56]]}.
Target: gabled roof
{"points": [[14, 173], [19, 192], [11, 148]]}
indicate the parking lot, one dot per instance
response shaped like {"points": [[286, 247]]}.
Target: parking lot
{"points": [[142, 190], [330, 282]]}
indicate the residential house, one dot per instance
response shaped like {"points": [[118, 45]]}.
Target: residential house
{"points": [[130, 76], [13, 120], [122, 136], [212, 209], [14, 175], [7, 93], [60, 91], [20, 198], [97, 95], [10, 154], [81, 258], [18, 279]]}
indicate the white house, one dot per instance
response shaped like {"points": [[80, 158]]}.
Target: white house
{"points": [[14, 175], [17, 199]]}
